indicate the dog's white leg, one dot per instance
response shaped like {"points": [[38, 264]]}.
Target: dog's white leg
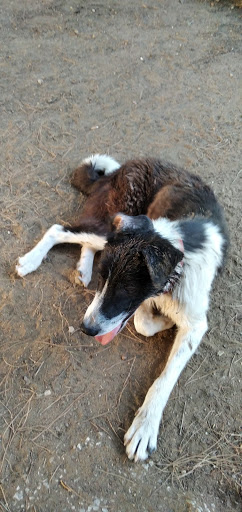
{"points": [[141, 438], [85, 264], [32, 259], [56, 235], [147, 323]]}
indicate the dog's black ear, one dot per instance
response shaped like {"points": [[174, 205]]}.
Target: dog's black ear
{"points": [[123, 222], [161, 261]]}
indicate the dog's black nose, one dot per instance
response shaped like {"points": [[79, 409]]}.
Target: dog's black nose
{"points": [[90, 331]]}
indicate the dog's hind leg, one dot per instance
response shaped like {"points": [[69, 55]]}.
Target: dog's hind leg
{"points": [[148, 321], [57, 235]]}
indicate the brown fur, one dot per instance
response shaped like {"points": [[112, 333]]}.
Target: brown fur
{"points": [[138, 187]]}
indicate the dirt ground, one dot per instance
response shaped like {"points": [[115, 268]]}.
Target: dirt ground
{"points": [[157, 78]]}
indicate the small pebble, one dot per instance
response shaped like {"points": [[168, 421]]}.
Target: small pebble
{"points": [[18, 495]]}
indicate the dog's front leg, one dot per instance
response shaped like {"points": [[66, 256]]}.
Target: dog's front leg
{"points": [[85, 264], [141, 438]]}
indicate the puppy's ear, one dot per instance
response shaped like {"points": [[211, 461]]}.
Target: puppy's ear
{"points": [[161, 262], [123, 222]]}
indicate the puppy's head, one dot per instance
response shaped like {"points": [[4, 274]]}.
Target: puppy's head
{"points": [[136, 264]]}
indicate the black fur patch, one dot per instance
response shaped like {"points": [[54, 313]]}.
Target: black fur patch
{"points": [[193, 234], [90, 225]]}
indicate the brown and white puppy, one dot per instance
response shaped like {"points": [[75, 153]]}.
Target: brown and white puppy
{"points": [[158, 263]]}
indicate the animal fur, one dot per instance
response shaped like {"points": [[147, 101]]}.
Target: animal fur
{"points": [[161, 252]]}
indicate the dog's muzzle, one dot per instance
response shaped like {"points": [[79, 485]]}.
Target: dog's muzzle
{"points": [[89, 330]]}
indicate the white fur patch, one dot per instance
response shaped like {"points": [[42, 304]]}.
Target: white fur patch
{"points": [[103, 163], [168, 229]]}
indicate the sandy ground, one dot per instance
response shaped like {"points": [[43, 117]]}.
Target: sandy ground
{"points": [[129, 78]]}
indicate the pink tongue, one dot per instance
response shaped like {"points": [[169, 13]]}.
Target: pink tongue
{"points": [[106, 338]]}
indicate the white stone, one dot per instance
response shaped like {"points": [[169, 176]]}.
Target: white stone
{"points": [[18, 495]]}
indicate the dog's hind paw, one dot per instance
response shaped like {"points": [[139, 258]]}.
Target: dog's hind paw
{"points": [[28, 263], [141, 438]]}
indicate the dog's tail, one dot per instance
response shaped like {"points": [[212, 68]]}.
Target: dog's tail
{"points": [[103, 165], [91, 169]]}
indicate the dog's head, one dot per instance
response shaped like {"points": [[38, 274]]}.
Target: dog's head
{"points": [[137, 263]]}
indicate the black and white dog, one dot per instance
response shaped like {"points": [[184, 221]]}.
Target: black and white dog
{"points": [[160, 256]]}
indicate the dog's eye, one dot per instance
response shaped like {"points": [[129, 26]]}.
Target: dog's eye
{"points": [[100, 173]]}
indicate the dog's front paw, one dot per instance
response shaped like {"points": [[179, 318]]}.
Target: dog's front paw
{"points": [[141, 438], [84, 276]]}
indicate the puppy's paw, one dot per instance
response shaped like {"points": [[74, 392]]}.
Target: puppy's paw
{"points": [[141, 438], [84, 276], [28, 263]]}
